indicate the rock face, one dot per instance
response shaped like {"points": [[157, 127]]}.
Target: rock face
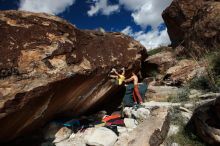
{"points": [[160, 61], [194, 24], [151, 132], [184, 71], [206, 122], [62, 134], [48, 68]]}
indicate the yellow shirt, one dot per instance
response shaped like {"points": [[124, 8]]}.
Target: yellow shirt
{"points": [[121, 79]]}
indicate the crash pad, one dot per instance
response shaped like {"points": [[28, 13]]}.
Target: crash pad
{"points": [[128, 97]]}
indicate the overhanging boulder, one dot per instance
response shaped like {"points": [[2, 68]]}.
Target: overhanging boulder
{"points": [[48, 67]]}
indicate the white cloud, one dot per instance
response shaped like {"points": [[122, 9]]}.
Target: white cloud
{"points": [[132, 4], [102, 6], [146, 12], [150, 40], [47, 6], [127, 31]]}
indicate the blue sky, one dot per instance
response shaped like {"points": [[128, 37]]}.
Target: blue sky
{"points": [[140, 19]]}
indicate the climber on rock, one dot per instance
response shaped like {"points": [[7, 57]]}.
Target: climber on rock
{"points": [[136, 93], [120, 77]]}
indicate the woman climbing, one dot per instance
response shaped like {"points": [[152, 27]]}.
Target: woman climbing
{"points": [[120, 77]]}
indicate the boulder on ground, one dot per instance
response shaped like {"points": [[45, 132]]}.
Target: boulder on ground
{"points": [[206, 122], [130, 123], [62, 134], [151, 132], [101, 137], [75, 139], [53, 66], [140, 113], [184, 71], [160, 61]]}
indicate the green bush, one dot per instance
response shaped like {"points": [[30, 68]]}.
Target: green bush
{"points": [[184, 137], [216, 68], [153, 73], [156, 50], [202, 83], [216, 64]]}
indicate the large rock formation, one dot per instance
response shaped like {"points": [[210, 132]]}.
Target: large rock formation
{"points": [[160, 62], [194, 24], [184, 71], [48, 68], [206, 122]]}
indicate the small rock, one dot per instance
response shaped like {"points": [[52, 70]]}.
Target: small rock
{"points": [[130, 123], [76, 139], [140, 113], [143, 113], [121, 129], [101, 137], [62, 134], [173, 130]]}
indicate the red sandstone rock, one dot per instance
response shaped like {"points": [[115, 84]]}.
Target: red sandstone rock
{"points": [[48, 67], [163, 60], [194, 24], [184, 71]]}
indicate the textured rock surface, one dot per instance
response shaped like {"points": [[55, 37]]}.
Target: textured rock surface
{"points": [[194, 24], [183, 71], [140, 113], [48, 68], [151, 132], [76, 139], [206, 122], [163, 61], [62, 134], [101, 137], [130, 123]]}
